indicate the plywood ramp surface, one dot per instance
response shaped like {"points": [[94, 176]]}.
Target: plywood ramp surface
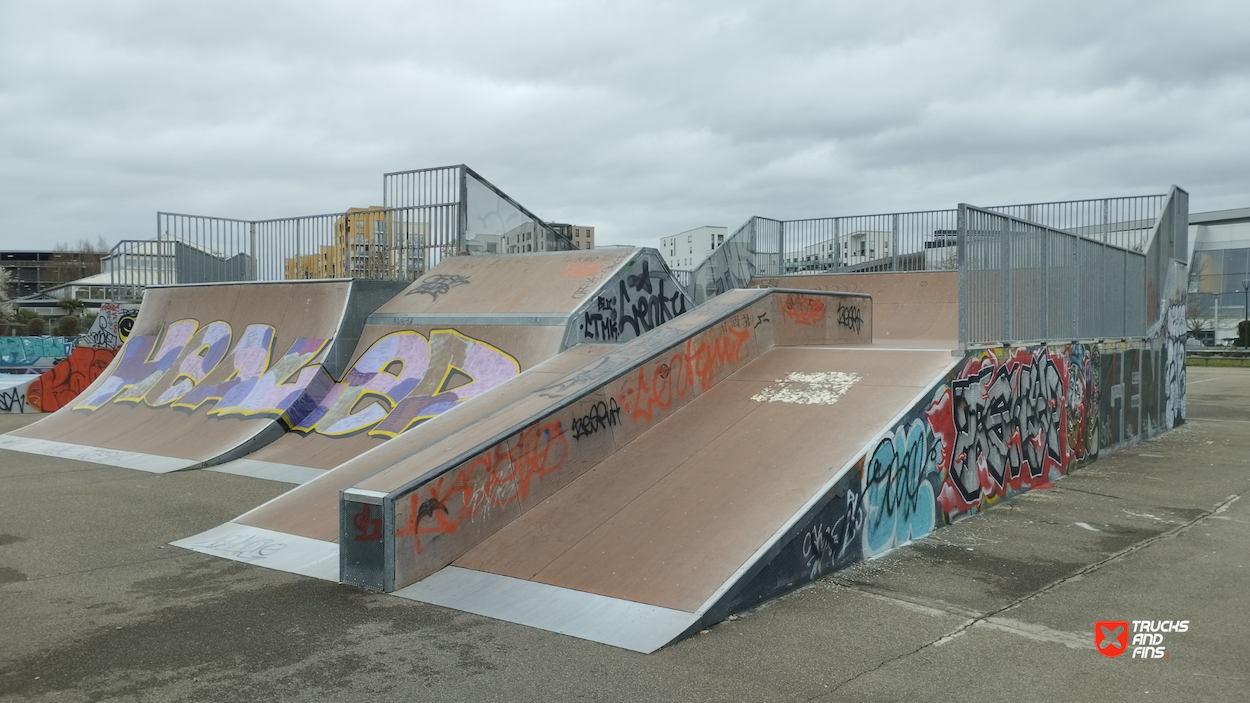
{"points": [[312, 510], [669, 518], [919, 306], [306, 309]]}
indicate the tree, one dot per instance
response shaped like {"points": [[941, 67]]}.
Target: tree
{"points": [[37, 327], [67, 326], [71, 306], [1196, 319], [6, 307]]}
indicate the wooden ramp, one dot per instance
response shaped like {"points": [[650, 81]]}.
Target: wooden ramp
{"points": [[209, 373]]}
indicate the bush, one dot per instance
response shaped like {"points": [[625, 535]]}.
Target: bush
{"points": [[36, 327], [67, 326]]}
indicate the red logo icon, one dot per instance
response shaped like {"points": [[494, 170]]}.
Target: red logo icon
{"points": [[1111, 637]]}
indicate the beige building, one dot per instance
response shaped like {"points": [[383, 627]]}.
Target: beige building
{"points": [[368, 243]]}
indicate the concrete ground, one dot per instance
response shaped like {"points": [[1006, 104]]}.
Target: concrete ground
{"points": [[95, 606]]}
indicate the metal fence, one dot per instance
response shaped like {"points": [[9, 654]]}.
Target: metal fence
{"points": [[901, 241], [1022, 282], [1103, 276], [1039, 271], [429, 214]]}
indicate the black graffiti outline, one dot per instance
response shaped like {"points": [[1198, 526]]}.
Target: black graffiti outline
{"points": [[438, 284], [601, 416], [849, 317]]}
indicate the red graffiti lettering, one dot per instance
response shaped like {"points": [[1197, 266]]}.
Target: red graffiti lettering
{"points": [[659, 386], [368, 528], [803, 310]]}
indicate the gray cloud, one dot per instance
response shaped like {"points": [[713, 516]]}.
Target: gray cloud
{"points": [[641, 118]]}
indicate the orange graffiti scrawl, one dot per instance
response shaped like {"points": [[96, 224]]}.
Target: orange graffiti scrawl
{"points": [[803, 310], [582, 270]]}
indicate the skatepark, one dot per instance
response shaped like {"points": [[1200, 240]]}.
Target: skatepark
{"points": [[565, 440], [579, 445]]}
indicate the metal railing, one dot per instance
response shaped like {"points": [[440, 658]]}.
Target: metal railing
{"points": [[429, 214], [901, 241], [1022, 282], [1068, 269], [1098, 278]]}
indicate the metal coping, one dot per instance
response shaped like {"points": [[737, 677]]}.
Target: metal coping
{"points": [[457, 319]]}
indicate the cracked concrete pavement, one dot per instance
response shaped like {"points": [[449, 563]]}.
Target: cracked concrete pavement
{"points": [[94, 604]]}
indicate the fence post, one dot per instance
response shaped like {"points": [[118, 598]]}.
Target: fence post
{"points": [[1007, 303], [961, 255], [894, 242], [255, 254], [1045, 262], [1077, 286], [462, 216]]}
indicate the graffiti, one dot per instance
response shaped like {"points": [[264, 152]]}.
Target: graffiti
{"points": [[658, 386], [1082, 406], [191, 367], [900, 487], [761, 319], [60, 385], [111, 328], [242, 546], [27, 351], [1174, 353], [404, 379], [368, 528], [601, 416], [803, 310], [438, 284], [829, 546], [848, 317], [640, 303], [499, 477], [1003, 426], [13, 400]]}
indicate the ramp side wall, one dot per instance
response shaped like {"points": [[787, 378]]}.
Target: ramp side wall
{"points": [[1002, 422], [581, 419]]}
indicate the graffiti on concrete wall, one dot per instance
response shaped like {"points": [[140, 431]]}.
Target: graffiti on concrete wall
{"points": [[403, 379], [635, 301], [803, 309], [27, 351], [13, 394], [901, 482], [1174, 353]]}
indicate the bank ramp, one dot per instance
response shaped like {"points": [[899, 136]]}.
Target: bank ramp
{"points": [[655, 488], [465, 327], [209, 373], [499, 328]]}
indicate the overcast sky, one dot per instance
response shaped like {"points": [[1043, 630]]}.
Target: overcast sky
{"points": [[643, 119]]}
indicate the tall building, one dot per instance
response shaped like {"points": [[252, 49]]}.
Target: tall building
{"points": [[1219, 274], [530, 237], [851, 249], [688, 249], [368, 243]]}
